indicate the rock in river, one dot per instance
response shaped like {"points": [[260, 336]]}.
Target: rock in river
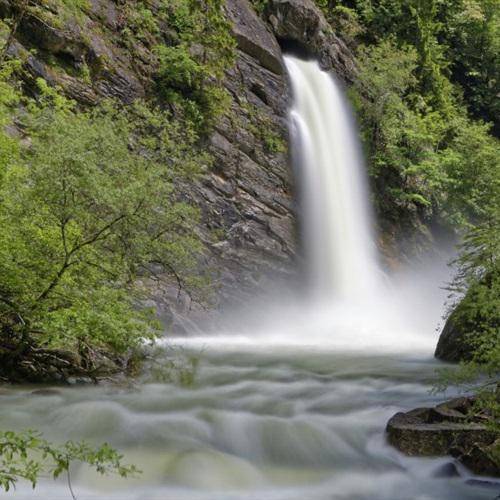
{"points": [[448, 429]]}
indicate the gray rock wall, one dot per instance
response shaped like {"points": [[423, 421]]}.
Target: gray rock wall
{"points": [[252, 187]]}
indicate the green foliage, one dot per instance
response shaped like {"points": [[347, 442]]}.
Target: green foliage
{"points": [[259, 6], [9, 98], [472, 35], [190, 70], [261, 126], [27, 456], [142, 22], [346, 22], [274, 143], [476, 288], [478, 279], [87, 209], [470, 158], [424, 152], [457, 41], [399, 130]]}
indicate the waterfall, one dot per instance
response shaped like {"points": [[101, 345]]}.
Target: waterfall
{"points": [[336, 221], [350, 304]]}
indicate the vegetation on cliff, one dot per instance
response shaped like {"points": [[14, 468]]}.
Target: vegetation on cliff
{"points": [[88, 206], [427, 116]]}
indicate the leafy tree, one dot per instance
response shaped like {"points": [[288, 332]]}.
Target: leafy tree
{"points": [[469, 157], [399, 129], [424, 153], [457, 40], [472, 34], [86, 210]]}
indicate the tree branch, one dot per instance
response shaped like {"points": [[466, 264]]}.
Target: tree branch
{"points": [[97, 236]]}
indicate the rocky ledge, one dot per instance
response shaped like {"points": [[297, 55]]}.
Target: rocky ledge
{"points": [[450, 428]]}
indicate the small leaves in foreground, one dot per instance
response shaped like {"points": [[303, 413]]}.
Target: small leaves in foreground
{"points": [[26, 455]]}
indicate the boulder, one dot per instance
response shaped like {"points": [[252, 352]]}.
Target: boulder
{"points": [[415, 433], [446, 470], [452, 345], [448, 429]]}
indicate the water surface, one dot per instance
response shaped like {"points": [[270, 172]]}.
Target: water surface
{"points": [[260, 423]]}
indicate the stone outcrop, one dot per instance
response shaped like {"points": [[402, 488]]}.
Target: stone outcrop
{"points": [[301, 23], [453, 345], [61, 52], [253, 37], [448, 429]]}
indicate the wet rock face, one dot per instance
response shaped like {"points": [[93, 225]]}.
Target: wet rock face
{"points": [[447, 429]]}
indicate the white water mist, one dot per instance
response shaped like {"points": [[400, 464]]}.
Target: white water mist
{"points": [[336, 219]]}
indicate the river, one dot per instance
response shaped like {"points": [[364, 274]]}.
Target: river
{"points": [[258, 423]]}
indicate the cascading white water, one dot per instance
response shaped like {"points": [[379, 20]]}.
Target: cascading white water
{"points": [[350, 304], [338, 241]]}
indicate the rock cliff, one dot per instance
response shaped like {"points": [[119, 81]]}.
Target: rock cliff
{"points": [[246, 199]]}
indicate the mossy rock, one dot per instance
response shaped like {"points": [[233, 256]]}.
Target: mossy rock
{"points": [[453, 344]]}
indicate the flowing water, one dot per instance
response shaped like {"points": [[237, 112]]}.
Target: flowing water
{"points": [[289, 401], [336, 219], [259, 424]]}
